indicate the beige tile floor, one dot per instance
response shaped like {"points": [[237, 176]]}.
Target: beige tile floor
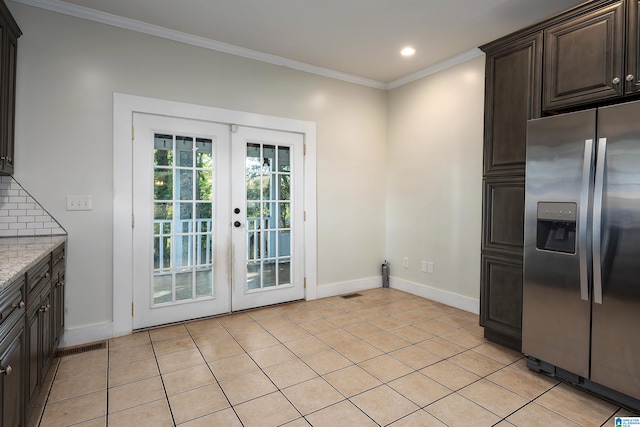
{"points": [[384, 358]]}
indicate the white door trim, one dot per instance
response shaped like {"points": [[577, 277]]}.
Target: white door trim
{"points": [[123, 108]]}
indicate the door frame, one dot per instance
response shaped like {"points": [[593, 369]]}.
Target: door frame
{"points": [[123, 108]]}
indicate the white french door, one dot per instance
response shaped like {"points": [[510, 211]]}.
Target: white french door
{"points": [[218, 218], [268, 218]]}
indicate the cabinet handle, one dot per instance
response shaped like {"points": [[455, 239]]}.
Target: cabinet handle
{"points": [[616, 80], [9, 159], [630, 78], [7, 371], [2, 157], [46, 275], [60, 283], [19, 305], [45, 308]]}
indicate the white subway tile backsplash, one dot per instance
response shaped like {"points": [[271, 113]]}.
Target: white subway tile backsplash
{"points": [[21, 214]]}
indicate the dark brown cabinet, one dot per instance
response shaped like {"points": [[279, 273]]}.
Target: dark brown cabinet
{"points": [[9, 33], [592, 55], [584, 58], [512, 97], [57, 294], [501, 300], [31, 328], [39, 331], [12, 354], [11, 377]]}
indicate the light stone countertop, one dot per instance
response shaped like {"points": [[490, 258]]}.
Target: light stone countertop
{"points": [[18, 254]]}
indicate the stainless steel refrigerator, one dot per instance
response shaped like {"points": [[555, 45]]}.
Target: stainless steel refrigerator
{"points": [[581, 295]]}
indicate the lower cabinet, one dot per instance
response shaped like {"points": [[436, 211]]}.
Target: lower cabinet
{"points": [[501, 300], [12, 369], [40, 343], [31, 327]]}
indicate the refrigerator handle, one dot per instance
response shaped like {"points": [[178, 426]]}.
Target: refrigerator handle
{"points": [[587, 179], [597, 220]]}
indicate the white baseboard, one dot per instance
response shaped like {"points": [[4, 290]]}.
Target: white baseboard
{"points": [[86, 334], [341, 288], [445, 297]]}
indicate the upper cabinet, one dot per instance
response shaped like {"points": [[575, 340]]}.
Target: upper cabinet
{"points": [[512, 96], [9, 33], [632, 78], [591, 55]]}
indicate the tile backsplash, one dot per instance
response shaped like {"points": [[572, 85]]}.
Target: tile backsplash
{"points": [[21, 214]]}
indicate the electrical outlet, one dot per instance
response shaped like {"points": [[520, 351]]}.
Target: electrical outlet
{"points": [[405, 262], [78, 203], [430, 267], [423, 266]]}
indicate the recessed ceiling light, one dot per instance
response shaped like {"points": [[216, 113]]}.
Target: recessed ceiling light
{"points": [[407, 51]]}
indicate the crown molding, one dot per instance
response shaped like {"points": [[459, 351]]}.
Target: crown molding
{"points": [[179, 36], [443, 65]]}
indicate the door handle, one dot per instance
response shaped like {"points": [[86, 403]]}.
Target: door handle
{"points": [[597, 220], [583, 218], [237, 224]]}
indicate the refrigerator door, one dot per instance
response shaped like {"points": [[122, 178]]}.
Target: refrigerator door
{"points": [[615, 350], [556, 309]]}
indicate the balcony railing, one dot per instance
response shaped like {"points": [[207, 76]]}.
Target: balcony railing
{"points": [[199, 241]]}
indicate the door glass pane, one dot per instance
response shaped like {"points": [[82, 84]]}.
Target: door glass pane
{"points": [[183, 220], [268, 189]]}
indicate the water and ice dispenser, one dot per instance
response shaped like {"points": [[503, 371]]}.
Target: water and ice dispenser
{"points": [[556, 227]]}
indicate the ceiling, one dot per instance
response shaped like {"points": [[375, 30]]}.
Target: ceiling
{"points": [[353, 38]]}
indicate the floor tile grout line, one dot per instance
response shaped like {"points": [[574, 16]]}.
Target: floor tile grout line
{"points": [[164, 388], [216, 378]]}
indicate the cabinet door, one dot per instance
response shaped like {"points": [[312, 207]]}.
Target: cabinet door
{"points": [[501, 300], [33, 349], [57, 308], [632, 78], [4, 142], [9, 99], [503, 216], [46, 334], [512, 97], [11, 377], [583, 58]]}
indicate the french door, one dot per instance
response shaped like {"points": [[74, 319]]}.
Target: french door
{"points": [[217, 218]]}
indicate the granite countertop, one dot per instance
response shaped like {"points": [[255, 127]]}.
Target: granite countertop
{"points": [[18, 254]]}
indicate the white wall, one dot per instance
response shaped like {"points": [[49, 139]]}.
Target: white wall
{"points": [[69, 68], [434, 185]]}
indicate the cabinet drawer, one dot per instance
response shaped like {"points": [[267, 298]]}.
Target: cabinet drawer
{"points": [[12, 300], [37, 276]]}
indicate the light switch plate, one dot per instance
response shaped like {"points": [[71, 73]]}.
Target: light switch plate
{"points": [[78, 202]]}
